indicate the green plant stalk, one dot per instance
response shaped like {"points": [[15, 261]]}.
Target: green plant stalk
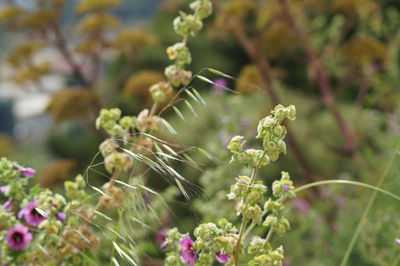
{"points": [[347, 182], [368, 208], [269, 235], [244, 221]]}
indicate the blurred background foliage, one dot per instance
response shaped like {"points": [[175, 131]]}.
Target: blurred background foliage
{"points": [[337, 61]]}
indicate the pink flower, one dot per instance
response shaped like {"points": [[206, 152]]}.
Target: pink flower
{"points": [[8, 205], [220, 83], [161, 236], [222, 257], [398, 240], [18, 237], [27, 172], [188, 254], [61, 216], [31, 215]]}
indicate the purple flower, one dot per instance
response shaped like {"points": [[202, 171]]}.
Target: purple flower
{"points": [[398, 240], [61, 216], [161, 236], [31, 215], [4, 189], [302, 205], [222, 257], [220, 83], [8, 205], [18, 237], [286, 187], [188, 254], [27, 172]]}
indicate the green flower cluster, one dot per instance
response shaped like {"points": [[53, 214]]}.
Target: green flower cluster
{"points": [[186, 25], [248, 194]]}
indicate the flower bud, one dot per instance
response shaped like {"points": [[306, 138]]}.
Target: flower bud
{"points": [[236, 144], [270, 221], [180, 53], [202, 8], [254, 213], [171, 259], [127, 122], [108, 146], [177, 76], [187, 25], [291, 112]]}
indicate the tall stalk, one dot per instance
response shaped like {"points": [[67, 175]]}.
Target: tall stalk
{"points": [[367, 209], [242, 228]]}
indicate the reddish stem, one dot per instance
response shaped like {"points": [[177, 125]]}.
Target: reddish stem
{"points": [[321, 77]]}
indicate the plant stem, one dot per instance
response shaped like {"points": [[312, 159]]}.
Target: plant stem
{"points": [[368, 208], [237, 249], [346, 182], [321, 76], [269, 235], [244, 221]]}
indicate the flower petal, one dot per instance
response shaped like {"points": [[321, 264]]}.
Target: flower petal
{"points": [[222, 257], [186, 243]]}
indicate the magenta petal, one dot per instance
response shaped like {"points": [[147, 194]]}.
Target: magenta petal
{"points": [[186, 243], [222, 257], [18, 237], [189, 256], [61, 216], [28, 172], [161, 235], [164, 245], [220, 83], [31, 215]]}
